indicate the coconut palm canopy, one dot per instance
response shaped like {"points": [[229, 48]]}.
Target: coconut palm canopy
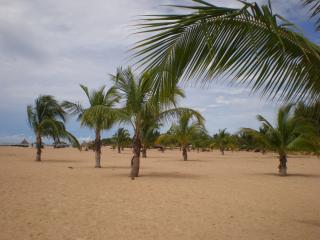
{"points": [[46, 118], [291, 133], [251, 45], [140, 104], [100, 115]]}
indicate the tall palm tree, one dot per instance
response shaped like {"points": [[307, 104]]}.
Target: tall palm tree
{"points": [[46, 118], [121, 137], [290, 134], [189, 124], [100, 115], [250, 45], [140, 103]]}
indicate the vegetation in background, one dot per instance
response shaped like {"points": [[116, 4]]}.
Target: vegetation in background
{"points": [[121, 138], [222, 140]]}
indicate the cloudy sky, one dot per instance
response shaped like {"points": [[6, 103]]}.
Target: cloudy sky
{"points": [[51, 46]]}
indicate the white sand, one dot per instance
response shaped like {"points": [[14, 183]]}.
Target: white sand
{"points": [[236, 196]]}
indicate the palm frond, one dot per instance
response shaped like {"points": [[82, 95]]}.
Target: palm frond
{"points": [[314, 9], [250, 46]]}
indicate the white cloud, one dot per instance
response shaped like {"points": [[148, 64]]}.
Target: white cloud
{"points": [[49, 47]]}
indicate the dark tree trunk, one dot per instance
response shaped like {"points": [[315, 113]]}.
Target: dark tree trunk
{"points": [[135, 161], [184, 153], [119, 149], [38, 146], [283, 165], [144, 152], [222, 151], [98, 149]]}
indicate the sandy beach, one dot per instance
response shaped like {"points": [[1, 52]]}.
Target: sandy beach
{"points": [[235, 196]]}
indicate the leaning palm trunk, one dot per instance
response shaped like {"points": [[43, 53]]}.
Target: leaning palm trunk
{"points": [[135, 162], [98, 149], [38, 146], [283, 165], [119, 149], [144, 152], [184, 153]]}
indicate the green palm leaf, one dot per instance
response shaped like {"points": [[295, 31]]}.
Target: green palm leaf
{"points": [[250, 46], [314, 8]]}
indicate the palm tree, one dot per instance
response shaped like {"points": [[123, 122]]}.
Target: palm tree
{"points": [[46, 118], [221, 140], [250, 45], [189, 125], [311, 113], [290, 134], [121, 137], [149, 129], [100, 115], [149, 136], [140, 103], [201, 140]]}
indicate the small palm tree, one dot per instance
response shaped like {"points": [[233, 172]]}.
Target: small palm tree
{"points": [[46, 118], [149, 137], [121, 137], [201, 140], [189, 124], [221, 140], [100, 115], [289, 134]]}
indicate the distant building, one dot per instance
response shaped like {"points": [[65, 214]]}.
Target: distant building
{"points": [[24, 143]]}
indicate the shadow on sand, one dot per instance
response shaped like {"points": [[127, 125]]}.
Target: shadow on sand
{"points": [[310, 222], [160, 175], [59, 161], [291, 175], [174, 175]]}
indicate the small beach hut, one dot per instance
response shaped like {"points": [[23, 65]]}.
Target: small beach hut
{"points": [[24, 143]]}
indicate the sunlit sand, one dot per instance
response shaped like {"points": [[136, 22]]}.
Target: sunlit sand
{"points": [[235, 196]]}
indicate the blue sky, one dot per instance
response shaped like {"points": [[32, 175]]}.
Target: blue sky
{"points": [[51, 46]]}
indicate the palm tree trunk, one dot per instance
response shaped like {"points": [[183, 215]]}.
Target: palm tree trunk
{"points": [[98, 149], [135, 161], [283, 165], [222, 151], [184, 153], [144, 152], [119, 149], [38, 146]]}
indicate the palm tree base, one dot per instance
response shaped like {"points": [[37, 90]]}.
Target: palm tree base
{"points": [[283, 172]]}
